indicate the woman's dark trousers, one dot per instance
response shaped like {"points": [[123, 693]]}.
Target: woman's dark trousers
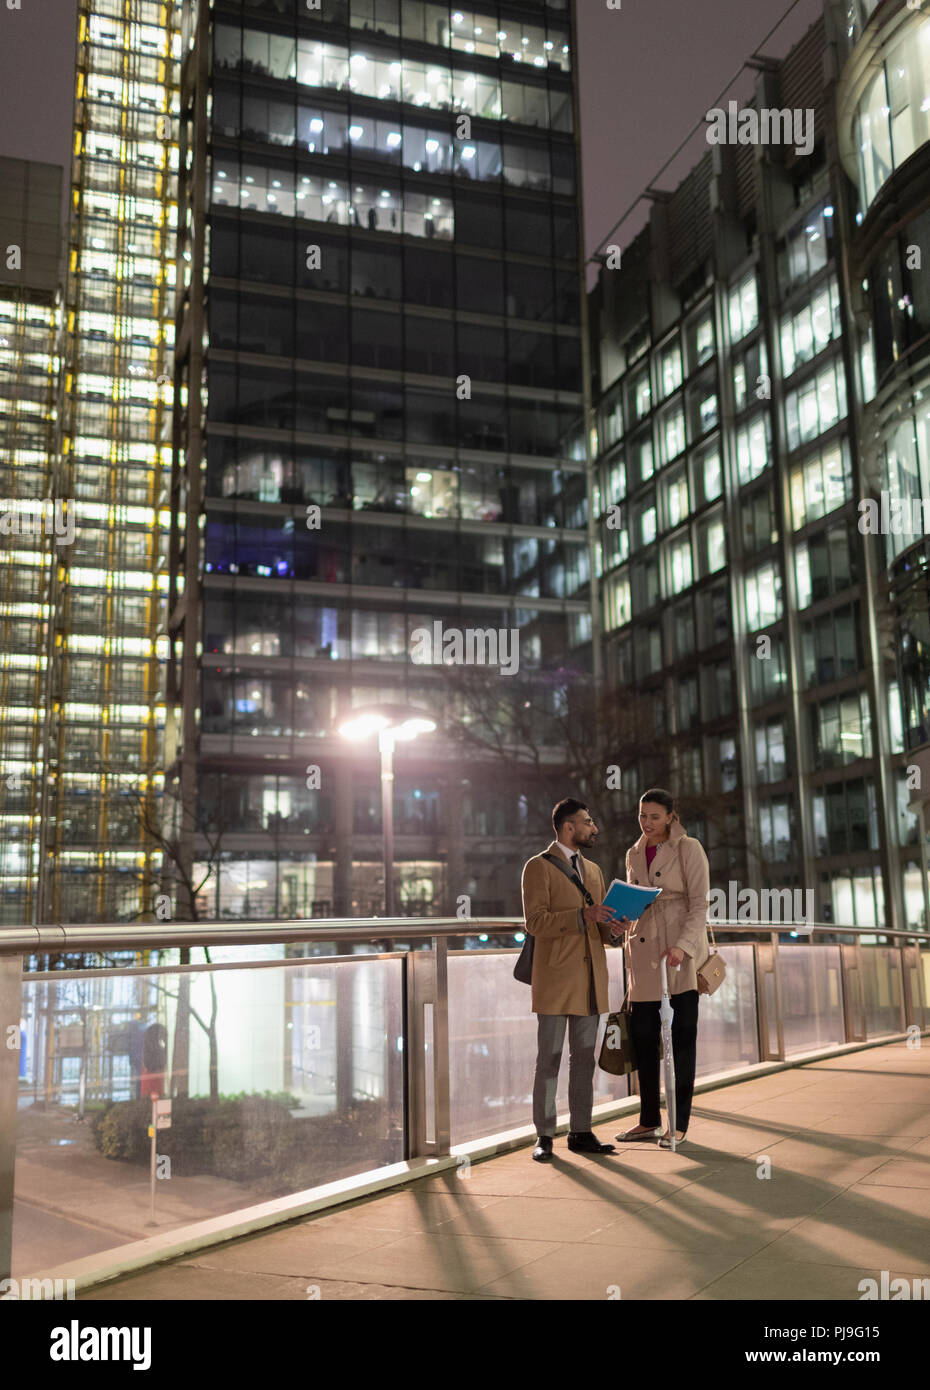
{"points": [[646, 1030]]}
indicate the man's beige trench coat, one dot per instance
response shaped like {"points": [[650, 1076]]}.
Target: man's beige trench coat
{"points": [[678, 917], [563, 955]]}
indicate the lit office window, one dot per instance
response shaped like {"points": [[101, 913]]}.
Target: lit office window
{"points": [[841, 730], [699, 337], [820, 484], [895, 718], [892, 120], [708, 474], [802, 569], [810, 329], [670, 369], [617, 542], [768, 675], [678, 572], [648, 524], [371, 205], [762, 597], [619, 608], [771, 761], [743, 308], [616, 480], [807, 249], [643, 461], [752, 448], [817, 405], [707, 412], [642, 396], [750, 376], [776, 828], [676, 498], [432, 85], [672, 434], [867, 368], [611, 419], [711, 546]]}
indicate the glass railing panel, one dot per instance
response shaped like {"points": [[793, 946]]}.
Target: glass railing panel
{"points": [[811, 1001], [881, 986], [728, 1030], [492, 1046], [294, 1079]]}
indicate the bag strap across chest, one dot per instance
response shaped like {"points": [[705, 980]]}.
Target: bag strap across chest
{"points": [[571, 876]]}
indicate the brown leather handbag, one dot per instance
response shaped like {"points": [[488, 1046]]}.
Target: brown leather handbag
{"points": [[618, 1055]]}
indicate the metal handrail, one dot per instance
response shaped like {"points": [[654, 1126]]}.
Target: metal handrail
{"points": [[119, 936]]}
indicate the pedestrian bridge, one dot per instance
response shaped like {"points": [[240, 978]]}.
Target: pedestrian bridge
{"points": [[349, 1120]]}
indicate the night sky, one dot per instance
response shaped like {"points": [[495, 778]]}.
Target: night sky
{"points": [[649, 71]]}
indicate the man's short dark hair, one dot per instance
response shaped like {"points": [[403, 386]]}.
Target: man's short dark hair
{"points": [[564, 810]]}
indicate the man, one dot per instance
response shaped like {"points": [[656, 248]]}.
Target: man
{"points": [[569, 974]]}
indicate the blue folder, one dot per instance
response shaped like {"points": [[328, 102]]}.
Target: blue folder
{"points": [[629, 900]]}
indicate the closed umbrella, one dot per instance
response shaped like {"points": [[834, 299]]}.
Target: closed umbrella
{"points": [[666, 1013]]}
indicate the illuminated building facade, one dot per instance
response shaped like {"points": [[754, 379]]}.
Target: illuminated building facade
{"points": [[380, 319], [104, 695], [741, 415], [30, 323], [883, 112]]}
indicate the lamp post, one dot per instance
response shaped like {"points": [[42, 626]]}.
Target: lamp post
{"points": [[393, 724]]}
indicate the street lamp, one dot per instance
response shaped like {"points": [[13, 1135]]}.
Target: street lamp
{"points": [[393, 724]]}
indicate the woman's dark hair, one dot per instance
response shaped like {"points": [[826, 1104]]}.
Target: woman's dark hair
{"points": [[660, 797]]}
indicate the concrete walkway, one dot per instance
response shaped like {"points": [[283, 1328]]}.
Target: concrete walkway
{"points": [[847, 1144]]}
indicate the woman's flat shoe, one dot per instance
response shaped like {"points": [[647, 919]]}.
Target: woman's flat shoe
{"points": [[630, 1138], [666, 1143]]}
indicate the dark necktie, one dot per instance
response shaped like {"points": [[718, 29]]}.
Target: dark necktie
{"points": [[575, 864]]}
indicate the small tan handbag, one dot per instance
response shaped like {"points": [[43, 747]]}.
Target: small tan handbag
{"points": [[713, 972]]}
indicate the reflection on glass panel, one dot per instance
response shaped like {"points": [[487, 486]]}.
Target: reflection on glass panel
{"points": [[881, 974], [811, 997], [729, 1036], [276, 1062], [492, 1046]]}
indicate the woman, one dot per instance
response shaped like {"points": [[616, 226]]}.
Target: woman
{"points": [[673, 928]]}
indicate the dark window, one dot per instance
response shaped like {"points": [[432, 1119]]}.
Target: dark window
{"points": [[529, 229], [428, 277], [480, 284]]}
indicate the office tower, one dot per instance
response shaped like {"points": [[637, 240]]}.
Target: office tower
{"points": [[883, 139], [380, 392], [105, 700], [30, 323], [740, 425]]}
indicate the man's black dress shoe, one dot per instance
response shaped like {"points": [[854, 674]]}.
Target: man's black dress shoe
{"points": [[543, 1149], [585, 1142]]}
